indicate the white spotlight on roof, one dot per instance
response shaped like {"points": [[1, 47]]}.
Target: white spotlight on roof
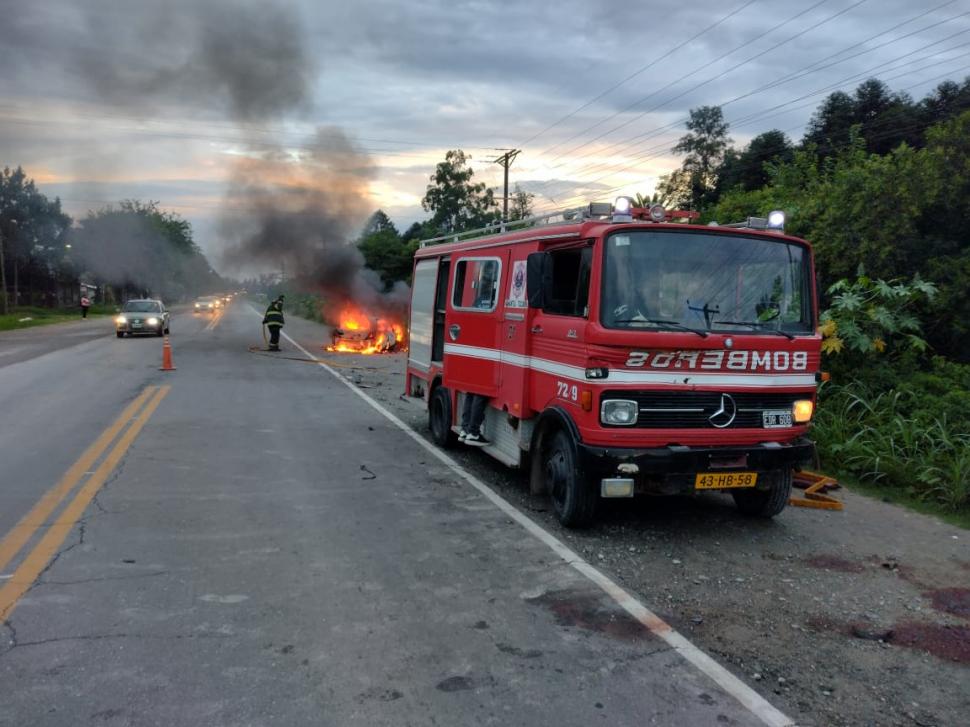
{"points": [[776, 220], [622, 207]]}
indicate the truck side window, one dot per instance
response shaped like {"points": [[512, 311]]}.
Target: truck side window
{"points": [[476, 284], [570, 281]]}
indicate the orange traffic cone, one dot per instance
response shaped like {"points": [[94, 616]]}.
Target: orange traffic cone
{"points": [[167, 356]]}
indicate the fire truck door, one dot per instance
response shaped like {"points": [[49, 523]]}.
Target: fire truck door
{"points": [[472, 322], [440, 303], [557, 348], [513, 338]]}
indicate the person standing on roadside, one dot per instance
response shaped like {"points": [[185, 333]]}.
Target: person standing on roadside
{"points": [[274, 321], [85, 304]]}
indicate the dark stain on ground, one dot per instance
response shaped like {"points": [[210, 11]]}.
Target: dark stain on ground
{"points": [[455, 684], [287, 649], [381, 695], [835, 563], [955, 601], [951, 643], [481, 625], [942, 640], [515, 651], [588, 612]]}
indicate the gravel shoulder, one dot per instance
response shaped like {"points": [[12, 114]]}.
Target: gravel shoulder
{"points": [[859, 617]]}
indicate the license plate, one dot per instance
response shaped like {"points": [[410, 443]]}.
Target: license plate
{"points": [[776, 418], [136, 325], [724, 480]]}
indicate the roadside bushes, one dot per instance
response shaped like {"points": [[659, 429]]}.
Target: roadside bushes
{"points": [[894, 416], [913, 436]]}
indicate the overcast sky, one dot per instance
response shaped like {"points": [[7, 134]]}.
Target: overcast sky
{"points": [[101, 101]]}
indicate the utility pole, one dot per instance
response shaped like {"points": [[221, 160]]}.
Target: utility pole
{"points": [[506, 161]]}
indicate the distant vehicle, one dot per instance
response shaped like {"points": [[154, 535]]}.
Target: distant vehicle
{"points": [[227, 298], [207, 304], [142, 316]]}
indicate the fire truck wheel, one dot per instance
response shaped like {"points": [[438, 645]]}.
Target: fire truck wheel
{"points": [[572, 498], [767, 503], [440, 418]]}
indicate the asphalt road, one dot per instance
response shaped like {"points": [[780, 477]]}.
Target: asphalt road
{"points": [[246, 541]]}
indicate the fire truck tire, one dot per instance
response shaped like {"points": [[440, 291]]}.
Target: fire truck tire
{"points": [[440, 418], [767, 503], [572, 498]]}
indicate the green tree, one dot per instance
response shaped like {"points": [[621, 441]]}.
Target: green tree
{"points": [[747, 169], [521, 206], [385, 251], [379, 222], [831, 122], [455, 201], [143, 250], [693, 185], [419, 231], [32, 247]]}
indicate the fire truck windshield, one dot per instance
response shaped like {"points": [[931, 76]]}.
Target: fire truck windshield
{"points": [[705, 282]]}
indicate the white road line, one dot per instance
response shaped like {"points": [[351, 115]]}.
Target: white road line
{"points": [[753, 701]]}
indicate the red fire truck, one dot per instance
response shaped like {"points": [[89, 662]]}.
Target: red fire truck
{"points": [[623, 353]]}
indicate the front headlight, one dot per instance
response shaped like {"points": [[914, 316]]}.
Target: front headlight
{"points": [[121, 320], [619, 412], [196, 305], [802, 410], [152, 321]]}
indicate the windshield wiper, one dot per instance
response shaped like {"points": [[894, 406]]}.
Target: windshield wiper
{"points": [[662, 322], [760, 325]]}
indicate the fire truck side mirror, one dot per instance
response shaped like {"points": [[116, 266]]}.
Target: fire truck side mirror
{"points": [[538, 278]]}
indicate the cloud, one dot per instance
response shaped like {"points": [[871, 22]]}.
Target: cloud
{"points": [[411, 80]]}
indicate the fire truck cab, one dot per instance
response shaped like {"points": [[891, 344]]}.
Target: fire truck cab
{"points": [[624, 354]]}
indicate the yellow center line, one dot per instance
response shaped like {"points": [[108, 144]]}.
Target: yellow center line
{"points": [[25, 529], [58, 531], [215, 319]]}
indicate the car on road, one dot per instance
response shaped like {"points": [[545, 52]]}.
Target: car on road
{"points": [[207, 304], [142, 316]]}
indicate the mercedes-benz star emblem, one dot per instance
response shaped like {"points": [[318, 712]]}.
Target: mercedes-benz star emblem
{"points": [[725, 415]]}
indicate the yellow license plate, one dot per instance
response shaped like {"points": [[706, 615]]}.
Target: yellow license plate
{"points": [[724, 480]]}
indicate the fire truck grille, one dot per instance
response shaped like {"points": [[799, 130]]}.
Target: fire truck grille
{"points": [[693, 409]]}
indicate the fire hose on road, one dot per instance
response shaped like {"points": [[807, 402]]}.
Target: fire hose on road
{"points": [[261, 352]]}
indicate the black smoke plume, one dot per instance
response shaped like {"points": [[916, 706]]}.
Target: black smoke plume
{"points": [[297, 211], [296, 207]]}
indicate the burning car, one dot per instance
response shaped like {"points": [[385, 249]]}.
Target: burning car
{"points": [[359, 332]]}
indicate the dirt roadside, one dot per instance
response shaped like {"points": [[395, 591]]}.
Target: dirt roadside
{"points": [[860, 617]]}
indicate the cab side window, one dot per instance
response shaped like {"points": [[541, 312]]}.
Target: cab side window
{"points": [[476, 284], [570, 281]]}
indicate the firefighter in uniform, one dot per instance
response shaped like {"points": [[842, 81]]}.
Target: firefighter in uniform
{"points": [[274, 321]]}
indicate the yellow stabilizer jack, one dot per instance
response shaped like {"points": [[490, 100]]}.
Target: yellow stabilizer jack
{"points": [[815, 485]]}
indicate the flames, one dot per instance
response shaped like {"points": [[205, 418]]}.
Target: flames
{"points": [[358, 331]]}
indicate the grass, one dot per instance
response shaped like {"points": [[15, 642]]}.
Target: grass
{"points": [[898, 444], [45, 316]]}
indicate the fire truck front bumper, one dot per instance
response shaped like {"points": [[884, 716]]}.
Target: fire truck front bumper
{"points": [[673, 470]]}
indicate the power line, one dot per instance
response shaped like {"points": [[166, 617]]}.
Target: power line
{"points": [[720, 75], [685, 76], [636, 73], [814, 66], [832, 147]]}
